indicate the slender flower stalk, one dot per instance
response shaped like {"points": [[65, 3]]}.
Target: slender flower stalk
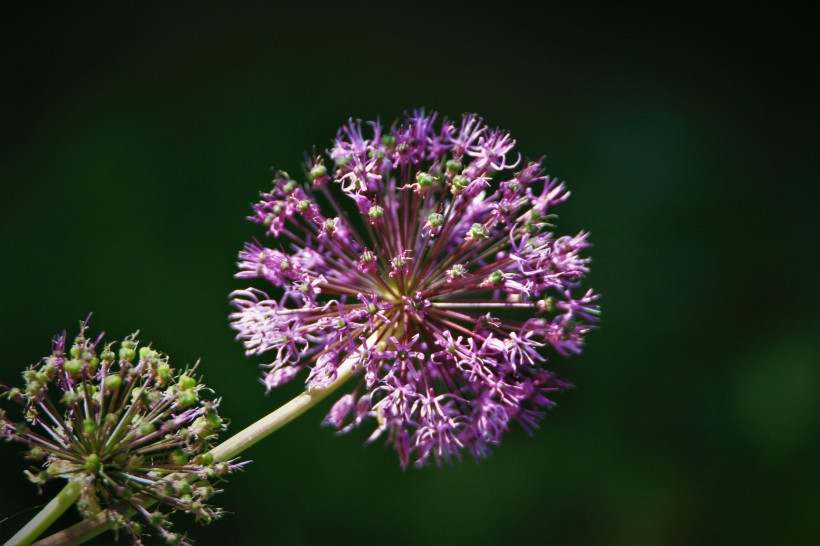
{"points": [[425, 254]]}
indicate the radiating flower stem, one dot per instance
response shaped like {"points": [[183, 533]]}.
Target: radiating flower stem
{"points": [[48, 515], [230, 448]]}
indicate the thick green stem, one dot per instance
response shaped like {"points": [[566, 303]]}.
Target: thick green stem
{"points": [[48, 515], [230, 448]]}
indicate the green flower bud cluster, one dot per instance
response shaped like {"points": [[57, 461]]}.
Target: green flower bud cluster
{"points": [[129, 426]]}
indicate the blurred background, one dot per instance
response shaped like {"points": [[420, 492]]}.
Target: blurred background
{"points": [[135, 138]]}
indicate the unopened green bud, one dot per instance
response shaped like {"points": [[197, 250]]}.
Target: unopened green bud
{"points": [[73, 367], [155, 519], [164, 373], [459, 183], [89, 426], [204, 459], [112, 382], [435, 219], [453, 166], [318, 171], [372, 309], [214, 421], [147, 427], [75, 351], [92, 463], [478, 231], [127, 354], [424, 180], [179, 458], [496, 276], [289, 187], [108, 356], [93, 364], [376, 212], [303, 205], [186, 382], [146, 353], [187, 398]]}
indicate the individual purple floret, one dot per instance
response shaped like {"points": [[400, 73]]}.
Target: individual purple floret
{"points": [[424, 255]]}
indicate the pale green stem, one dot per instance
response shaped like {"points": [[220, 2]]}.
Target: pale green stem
{"points": [[48, 515], [483, 305], [230, 448]]}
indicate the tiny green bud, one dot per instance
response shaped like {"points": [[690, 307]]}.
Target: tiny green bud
{"points": [[179, 458], [214, 420], [205, 459], [435, 219], [92, 463], [284, 265], [187, 398], [277, 210], [459, 183], [73, 367], [108, 356], [318, 171], [75, 351], [93, 364], [453, 166], [289, 187], [303, 205], [388, 140], [376, 212], [478, 231], [496, 276], [155, 518], [112, 382], [127, 354], [36, 453], [371, 308], [89, 426], [111, 419], [13, 393], [164, 373], [147, 427], [146, 353], [128, 344], [186, 382], [424, 180]]}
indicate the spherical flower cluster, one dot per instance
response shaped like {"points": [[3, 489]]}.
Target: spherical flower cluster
{"points": [[128, 428], [424, 254]]}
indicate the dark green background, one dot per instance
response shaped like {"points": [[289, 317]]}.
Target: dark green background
{"points": [[135, 138]]}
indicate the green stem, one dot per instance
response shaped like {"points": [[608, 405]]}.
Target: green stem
{"points": [[230, 448], [48, 515]]}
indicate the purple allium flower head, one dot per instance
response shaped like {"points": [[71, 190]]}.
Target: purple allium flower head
{"points": [[126, 426], [431, 263]]}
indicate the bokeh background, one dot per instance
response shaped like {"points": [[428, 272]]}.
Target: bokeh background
{"points": [[135, 137]]}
